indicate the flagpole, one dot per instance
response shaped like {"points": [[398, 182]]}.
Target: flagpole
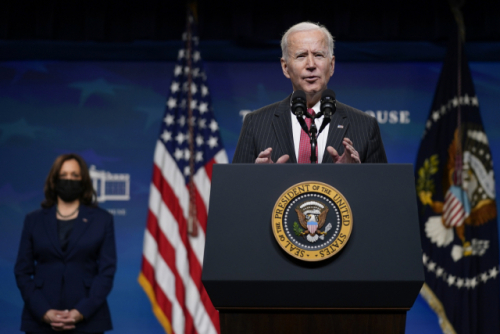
{"points": [[192, 221]]}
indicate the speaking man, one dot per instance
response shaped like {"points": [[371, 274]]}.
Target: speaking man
{"points": [[273, 134]]}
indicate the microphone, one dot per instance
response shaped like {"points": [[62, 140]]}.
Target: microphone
{"points": [[328, 103], [299, 103]]}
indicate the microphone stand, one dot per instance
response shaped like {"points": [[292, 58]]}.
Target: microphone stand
{"points": [[313, 137], [313, 132]]}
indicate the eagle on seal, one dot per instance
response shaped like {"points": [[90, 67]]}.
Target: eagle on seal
{"points": [[312, 217]]}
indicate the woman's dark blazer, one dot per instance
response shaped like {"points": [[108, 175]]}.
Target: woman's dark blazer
{"points": [[80, 278]]}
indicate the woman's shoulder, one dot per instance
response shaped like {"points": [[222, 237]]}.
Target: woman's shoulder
{"points": [[39, 212]]}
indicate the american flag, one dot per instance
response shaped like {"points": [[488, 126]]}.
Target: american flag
{"points": [[189, 144]]}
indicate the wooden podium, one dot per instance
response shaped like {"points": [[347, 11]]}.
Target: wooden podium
{"points": [[366, 288]]}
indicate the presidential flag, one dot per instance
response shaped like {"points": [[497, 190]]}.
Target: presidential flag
{"points": [[456, 201], [189, 144]]}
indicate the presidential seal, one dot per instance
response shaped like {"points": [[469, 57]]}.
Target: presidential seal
{"points": [[312, 221]]}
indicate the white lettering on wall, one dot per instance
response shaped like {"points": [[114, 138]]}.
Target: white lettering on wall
{"points": [[390, 116]]}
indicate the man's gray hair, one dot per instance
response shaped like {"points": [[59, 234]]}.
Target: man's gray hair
{"points": [[306, 26]]}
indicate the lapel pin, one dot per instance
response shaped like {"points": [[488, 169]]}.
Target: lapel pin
{"points": [[84, 220], [340, 126]]}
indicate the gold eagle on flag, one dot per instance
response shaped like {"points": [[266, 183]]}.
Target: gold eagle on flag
{"points": [[469, 189]]}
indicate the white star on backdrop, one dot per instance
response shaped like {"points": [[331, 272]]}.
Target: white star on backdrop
{"points": [[203, 107], [182, 120], [213, 126], [180, 137], [204, 90], [435, 116], [169, 119], [201, 123], [466, 99], [199, 156], [493, 272], [212, 142], [174, 87], [177, 70], [193, 88], [178, 154], [474, 101], [193, 104], [166, 136], [171, 103], [431, 266], [196, 56]]}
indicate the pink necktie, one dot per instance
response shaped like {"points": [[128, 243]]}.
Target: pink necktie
{"points": [[305, 143]]}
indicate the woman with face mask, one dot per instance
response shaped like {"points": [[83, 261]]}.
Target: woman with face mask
{"points": [[67, 256]]}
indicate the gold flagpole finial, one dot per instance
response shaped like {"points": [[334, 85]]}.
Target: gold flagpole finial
{"points": [[456, 9]]}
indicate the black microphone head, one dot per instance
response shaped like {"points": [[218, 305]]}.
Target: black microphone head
{"points": [[328, 93], [328, 102], [299, 103]]}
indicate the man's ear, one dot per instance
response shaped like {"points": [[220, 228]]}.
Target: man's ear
{"points": [[332, 66], [284, 67]]}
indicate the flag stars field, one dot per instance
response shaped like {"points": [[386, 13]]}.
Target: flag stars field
{"points": [[201, 123], [169, 119], [203, 107], [214, 126], [180, 138], [212, 142], [174, 87], [177, 70], [171, 103], [166, 136]]}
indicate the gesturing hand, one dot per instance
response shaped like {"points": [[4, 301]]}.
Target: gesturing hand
{"points": [[350, 154], [265, 157]]}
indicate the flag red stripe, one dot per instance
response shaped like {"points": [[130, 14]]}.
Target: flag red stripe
{"points": [[453, 205], [201, 210], [161, 299], [212, 312], [208, 168], [168, 196], [457, 218], [168, 253]]}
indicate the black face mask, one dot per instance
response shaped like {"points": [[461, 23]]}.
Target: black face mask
{"points": [[69, 190]]}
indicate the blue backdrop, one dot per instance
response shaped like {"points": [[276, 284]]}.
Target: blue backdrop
{"points": [[110, 113]]}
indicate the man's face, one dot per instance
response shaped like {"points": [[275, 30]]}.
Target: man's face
{"points": [[308, 66]]}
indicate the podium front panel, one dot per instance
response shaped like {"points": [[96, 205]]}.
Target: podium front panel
{"points": [[379, 267]]}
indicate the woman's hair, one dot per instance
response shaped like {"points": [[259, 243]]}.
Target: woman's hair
{"points": [[88, 196]]}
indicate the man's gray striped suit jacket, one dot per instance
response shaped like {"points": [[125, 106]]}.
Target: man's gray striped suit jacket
{"points": [[271, 126]]}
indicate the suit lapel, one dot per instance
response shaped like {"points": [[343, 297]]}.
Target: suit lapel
{"points": [[282, 124], [50, 222], [336, 132], [81, 224]]}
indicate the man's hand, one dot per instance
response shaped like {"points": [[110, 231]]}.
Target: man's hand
{"points": [[62, 320], [350, 154], [265, 157]]}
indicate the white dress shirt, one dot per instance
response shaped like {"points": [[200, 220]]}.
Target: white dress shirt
{"points": [[321, 139]]}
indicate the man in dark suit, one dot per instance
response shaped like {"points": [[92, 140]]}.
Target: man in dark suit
{"points": [[273, 134]]}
